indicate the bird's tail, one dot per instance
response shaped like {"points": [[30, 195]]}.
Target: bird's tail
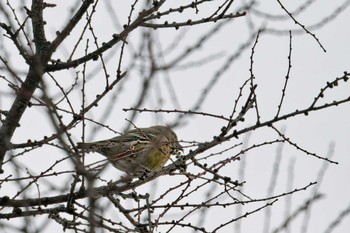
{"points": [[86, 146]]}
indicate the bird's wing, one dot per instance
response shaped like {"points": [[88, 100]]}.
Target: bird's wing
{"points": [[132, 142]]}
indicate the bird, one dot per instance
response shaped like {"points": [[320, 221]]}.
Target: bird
{"points": [[138, 151]]}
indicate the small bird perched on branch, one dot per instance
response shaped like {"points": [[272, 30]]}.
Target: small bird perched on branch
{"points": [[138, 151]]}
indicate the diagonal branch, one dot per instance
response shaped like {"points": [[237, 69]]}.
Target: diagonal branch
{"points": [[24, 94]]}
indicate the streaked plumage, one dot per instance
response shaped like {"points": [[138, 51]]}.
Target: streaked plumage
{"points": [[139, 150]]}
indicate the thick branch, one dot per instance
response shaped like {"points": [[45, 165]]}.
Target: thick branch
{"points": [[38, 62], [24, 94], [95, 192]]}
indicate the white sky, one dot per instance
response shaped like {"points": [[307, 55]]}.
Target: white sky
{"points": [[311, 69]]}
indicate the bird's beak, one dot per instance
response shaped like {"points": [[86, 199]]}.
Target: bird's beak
{"points": [[179, 147]]}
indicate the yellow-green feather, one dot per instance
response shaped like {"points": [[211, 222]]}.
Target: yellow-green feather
{"points": [[157, 158]]}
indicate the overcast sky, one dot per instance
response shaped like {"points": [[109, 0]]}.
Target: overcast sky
{"points": [[326, 132]]}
